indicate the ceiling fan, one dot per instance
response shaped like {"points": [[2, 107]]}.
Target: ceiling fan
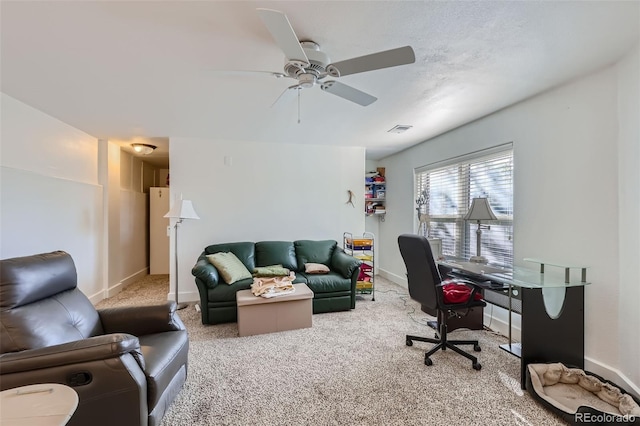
{"points": [[309, 65]]}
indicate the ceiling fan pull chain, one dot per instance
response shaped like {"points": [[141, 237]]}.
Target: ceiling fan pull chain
{"points": [[298, 105]]}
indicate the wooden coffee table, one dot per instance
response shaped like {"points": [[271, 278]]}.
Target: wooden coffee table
{"points": [[259, 315]]}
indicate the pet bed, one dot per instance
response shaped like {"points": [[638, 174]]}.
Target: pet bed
{"points": [[581, 397]]}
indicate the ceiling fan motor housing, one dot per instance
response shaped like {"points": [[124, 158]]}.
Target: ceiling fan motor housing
{"points": [[318, 61]]}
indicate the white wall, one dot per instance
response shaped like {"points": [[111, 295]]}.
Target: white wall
{"points": [[56, 190], [628, 213], [268, 192], [566, 204], [133, 246], [50, 196]]}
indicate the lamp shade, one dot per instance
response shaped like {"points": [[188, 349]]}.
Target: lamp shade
{"points": [[182, 209], [480, 210]]}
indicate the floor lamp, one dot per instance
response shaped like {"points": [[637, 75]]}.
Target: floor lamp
{"points": [[181, 209]]}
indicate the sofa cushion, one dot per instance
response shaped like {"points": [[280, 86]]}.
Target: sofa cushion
{"points": [[308, 251], [327, 283], [245, 251], [229, 266], [276, 253], [227, 293]]}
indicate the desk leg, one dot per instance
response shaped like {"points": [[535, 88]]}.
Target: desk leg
{"points": [[514, 349], [552, 340]]}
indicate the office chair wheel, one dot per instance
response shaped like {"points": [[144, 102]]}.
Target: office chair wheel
{"points": [[409, 342], [477, 348], [427, 361], [477, 366]]}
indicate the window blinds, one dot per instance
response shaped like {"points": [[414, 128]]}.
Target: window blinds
{"points": [[448, 188]]}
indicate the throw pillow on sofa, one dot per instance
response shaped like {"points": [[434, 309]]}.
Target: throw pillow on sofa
{"points": [[316, 268], [229, 266], [271, 271]]}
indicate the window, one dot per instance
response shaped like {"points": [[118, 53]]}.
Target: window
{"points": [[444, 192]]}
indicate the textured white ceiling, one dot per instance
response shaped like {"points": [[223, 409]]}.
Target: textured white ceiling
{"points": [[124, 70]]}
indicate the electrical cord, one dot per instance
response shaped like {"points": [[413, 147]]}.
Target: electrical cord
{"points": [[424, 321], [405, 300]]}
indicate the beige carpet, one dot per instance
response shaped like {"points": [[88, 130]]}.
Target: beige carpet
{"points": [[350, 368]]}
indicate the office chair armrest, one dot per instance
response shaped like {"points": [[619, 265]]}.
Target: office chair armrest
{"points": [[80, 351], [141, 320]]}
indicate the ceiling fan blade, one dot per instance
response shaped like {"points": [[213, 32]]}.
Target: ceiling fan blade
{"points": [[278, 25], [347, 92], [375, 61], [251, 72]]}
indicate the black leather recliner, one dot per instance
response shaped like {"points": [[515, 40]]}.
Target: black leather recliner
{"points": [[126, 364]]}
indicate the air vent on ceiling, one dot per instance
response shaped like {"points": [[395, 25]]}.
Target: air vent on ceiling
{"points": [[400, 128]]}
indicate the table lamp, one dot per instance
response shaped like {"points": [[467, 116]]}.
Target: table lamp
{"points": [[480, 210], [181, 209]]}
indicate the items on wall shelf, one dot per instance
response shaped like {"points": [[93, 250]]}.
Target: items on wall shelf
{"points": [[364, 250], [375, 191]]}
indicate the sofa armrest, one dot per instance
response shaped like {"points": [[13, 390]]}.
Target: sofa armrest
{"points": [[343, 263], [86, 350], [206, 272], [141, 320]]}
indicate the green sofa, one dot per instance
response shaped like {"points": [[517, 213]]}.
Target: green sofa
{"points": [[334, 291]]}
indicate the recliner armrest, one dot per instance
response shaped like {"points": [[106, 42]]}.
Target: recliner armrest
{"points": [[141, 320], [343, 263], [85, 350]]}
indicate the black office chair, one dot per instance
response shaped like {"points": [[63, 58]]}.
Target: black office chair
{"points": [[425, 287]]}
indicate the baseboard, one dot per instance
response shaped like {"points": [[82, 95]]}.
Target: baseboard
{"points": [[397, 279], [500, 326], [612, 374], [97, 297], [117, 288]]}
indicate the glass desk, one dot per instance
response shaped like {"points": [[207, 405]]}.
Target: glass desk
{"points": [[552, 307]]}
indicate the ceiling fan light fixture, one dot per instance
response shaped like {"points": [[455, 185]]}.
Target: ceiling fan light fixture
{"points": [[143, 148], [400, 128], [307, 80]]}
